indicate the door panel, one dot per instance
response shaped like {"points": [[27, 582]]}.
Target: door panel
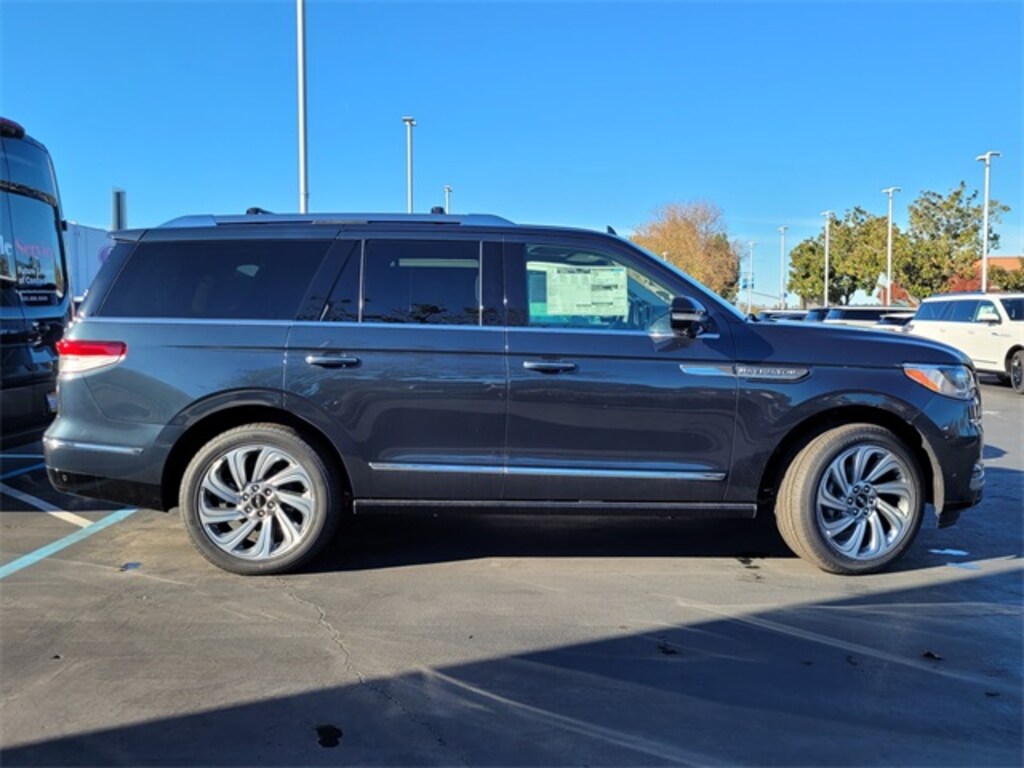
{"points": [[620, 410], [418, 397]]}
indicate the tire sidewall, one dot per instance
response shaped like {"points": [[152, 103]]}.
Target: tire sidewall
{"points": [[1017, 366], [320, 526], [817, 457]]}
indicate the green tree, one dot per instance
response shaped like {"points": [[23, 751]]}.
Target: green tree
{"points": [[857, 258], [693, 237], [1004, 280], [944, 240]]}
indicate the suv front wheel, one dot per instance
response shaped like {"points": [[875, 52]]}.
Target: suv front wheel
{"points": [[1015, 372], [258, 499], [851, 501]]}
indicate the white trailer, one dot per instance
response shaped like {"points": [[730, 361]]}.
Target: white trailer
{"points": [[87, 248]]}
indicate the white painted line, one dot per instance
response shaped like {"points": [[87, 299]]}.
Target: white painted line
{"points": [[45, 506]]}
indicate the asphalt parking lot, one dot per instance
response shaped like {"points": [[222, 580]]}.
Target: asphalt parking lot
{"points": [[509, 641]]}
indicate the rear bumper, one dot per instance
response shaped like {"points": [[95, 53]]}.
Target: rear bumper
{"points": [[118, 491], [120, 474]]}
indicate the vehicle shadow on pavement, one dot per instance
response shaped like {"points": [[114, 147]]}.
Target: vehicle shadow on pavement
{"points": [[891, 678], [394, 540]]}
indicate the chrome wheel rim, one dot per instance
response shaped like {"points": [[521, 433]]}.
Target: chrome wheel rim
{"points": [[256, 502], [866, 502], [1016, 373]]}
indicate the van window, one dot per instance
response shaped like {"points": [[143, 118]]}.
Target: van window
{"points": [[433, 282], [252, 279]]}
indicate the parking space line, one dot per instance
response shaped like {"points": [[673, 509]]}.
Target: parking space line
{"points": [[22, 471], [45, 506], [42, 553]]}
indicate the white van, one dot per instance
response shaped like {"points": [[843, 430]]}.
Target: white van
{"points": [[988, 327]]}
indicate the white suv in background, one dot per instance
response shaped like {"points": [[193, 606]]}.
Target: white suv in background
{"points": [[988, 327]]}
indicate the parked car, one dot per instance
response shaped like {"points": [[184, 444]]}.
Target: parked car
{"points": [[863, 317], [988, 327], [816, 315], [782, 314], [269, 374], [894, 321]]}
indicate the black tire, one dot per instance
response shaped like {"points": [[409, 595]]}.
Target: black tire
{"points": [[1015, 371], [292, 513], [889, 515]]}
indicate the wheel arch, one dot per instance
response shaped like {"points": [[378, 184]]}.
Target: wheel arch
{"points": [[819, 423], [216, 422], [1009, 356]]}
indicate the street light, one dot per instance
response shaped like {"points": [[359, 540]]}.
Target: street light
{"points": [[828, 221], [300, 14], [782, 268], [410, 122], [987, 158], [890, 191], [447, 198]]}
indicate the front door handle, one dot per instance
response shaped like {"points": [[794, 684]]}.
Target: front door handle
{"points": [[548, 366], [332, 361]]}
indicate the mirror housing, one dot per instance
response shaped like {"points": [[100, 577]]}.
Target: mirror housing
{"points": [[688, 316]]}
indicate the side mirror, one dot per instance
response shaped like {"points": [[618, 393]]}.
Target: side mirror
{"points": [[687, 316]]}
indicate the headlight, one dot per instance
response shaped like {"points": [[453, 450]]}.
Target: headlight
{"points": [[949, 380]]}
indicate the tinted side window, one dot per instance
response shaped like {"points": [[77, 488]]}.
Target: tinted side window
{"points": [[961, 311], [577, 288], [343, 302], [436, 282], [240, 279], [1014, 308]]}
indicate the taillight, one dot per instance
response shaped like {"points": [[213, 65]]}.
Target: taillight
{"points": [[80, 356]]}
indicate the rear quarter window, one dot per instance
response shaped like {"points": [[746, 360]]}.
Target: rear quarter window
{"points": [[225, 279]]}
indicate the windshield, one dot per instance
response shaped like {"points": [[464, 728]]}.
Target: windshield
{"points": [[30, 251]]}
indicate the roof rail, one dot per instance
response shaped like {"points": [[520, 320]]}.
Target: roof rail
{"points": [[265, 219]]}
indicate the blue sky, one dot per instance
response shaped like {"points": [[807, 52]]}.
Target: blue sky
{"points": [[577, 113]]}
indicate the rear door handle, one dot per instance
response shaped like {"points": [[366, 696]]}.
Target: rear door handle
{"points": [[548, 366], [332, 361]]}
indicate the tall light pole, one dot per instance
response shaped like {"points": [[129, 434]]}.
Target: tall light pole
{"points": [[828, 221], [410, 122], [750, 280], [782, 268], [890, 191], [300, 19], [447, 198], [987, 158]]}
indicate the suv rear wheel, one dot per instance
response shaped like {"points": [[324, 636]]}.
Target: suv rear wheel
{"points": [[258, 499], [851, 501]]}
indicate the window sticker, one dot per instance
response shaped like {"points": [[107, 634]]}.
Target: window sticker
{"points": [[588, 291]]}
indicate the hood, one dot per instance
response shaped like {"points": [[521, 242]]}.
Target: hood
{"points": [[820, 344]]}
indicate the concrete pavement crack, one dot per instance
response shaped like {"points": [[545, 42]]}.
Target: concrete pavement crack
{"points": [[378, 689]]}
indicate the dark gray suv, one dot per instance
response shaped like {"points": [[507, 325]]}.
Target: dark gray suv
{"points": [[271, 373]]}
